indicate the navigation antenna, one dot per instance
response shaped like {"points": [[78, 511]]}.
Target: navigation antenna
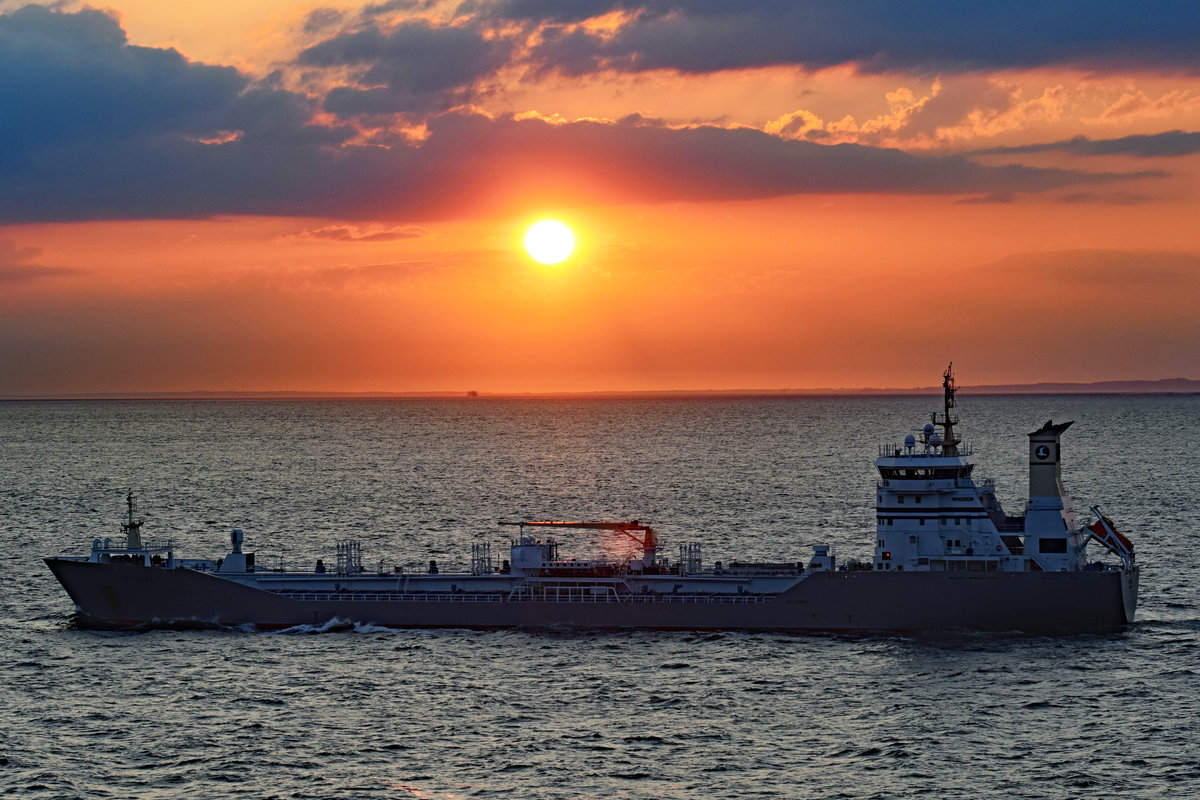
{"points": [[133, 528], [949, 420]]}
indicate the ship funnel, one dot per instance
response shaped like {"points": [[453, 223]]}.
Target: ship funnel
{"points": [[1045, 471], [1049, 517]]}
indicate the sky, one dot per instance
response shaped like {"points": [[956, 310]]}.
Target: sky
{"points": [[281, 196]]}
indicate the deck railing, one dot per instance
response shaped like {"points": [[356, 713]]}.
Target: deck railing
{"points": [[894, 450], [494, 597], [120, 544]]}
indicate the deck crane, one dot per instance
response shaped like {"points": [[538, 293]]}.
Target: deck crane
{"points": [[647, 540]]}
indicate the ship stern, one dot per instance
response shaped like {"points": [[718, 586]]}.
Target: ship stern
{"points": [[1129, 590]]}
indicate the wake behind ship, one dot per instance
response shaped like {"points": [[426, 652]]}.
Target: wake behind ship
{"points": [[946, 557]]}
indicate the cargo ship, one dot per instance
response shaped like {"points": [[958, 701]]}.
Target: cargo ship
{"points": [[947, 557]]}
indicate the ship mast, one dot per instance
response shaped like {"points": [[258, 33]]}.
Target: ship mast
{"points": [[133, 528], [949, 420]]}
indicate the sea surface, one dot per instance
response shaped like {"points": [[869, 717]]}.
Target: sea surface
{"points": [[367, 713]]}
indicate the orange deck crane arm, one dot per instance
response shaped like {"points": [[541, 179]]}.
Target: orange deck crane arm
{"points": [[648, 540]]}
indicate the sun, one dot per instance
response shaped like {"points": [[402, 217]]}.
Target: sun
{"points": [[549, 241]]}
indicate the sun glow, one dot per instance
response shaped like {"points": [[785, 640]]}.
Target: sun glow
{"points": [[549, 241]]}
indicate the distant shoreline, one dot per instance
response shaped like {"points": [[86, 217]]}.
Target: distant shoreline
{"points": [[1164, 386]]}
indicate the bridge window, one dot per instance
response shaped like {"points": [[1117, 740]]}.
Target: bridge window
{"points": [[932, 473], [1055, 545]]}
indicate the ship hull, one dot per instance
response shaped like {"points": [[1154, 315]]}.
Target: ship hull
{"points": [[1035, 602]]}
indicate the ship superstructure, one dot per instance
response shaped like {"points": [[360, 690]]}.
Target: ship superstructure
{"points": [[932, 514], [946, 557]]}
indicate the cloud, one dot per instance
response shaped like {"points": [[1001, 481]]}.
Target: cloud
{"points": [[366, 275], [391, 7], [951, 111], [321, 19], [1130, 107], [122, 132], [415, 66], [556, 11], [912, 119], [653, 162], [352, 233], [75, 79], [1101, 269], [16, 265], [973, 107], [109, 130], [1155, 145], [926, 37], [800, 124], [993, 198], [1110, 198]]}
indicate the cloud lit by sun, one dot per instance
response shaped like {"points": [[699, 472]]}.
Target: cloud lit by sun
{"points": [[549, 241]]}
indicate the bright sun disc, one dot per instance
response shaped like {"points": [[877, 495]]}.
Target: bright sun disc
{"points": [[549, 241]]}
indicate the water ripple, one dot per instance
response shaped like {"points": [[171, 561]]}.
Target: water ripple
{"points": [[350, 711]]}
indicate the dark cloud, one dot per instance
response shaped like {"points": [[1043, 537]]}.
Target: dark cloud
{"points": [[555, 11], [321, 19], [411, 67], [1104, 269], [373, 10], [73, 78], [1169, 143], [1107, 198], [925, 36], [21, 273], [224, 146], [17, 264], [994, 197], [104, 129]]}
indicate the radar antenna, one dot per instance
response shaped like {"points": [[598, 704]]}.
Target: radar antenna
{"points": [[949, 441]]}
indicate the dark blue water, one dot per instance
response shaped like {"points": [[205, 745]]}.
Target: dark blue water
{"points": [[452, 714]]}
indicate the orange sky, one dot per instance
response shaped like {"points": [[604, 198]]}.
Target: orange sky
{"points": [[342, 208]]}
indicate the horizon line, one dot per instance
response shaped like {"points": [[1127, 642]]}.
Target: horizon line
{"points": [[1157, 386]]}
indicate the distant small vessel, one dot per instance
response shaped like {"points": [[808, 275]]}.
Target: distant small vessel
{"points": [[946, 557]]}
